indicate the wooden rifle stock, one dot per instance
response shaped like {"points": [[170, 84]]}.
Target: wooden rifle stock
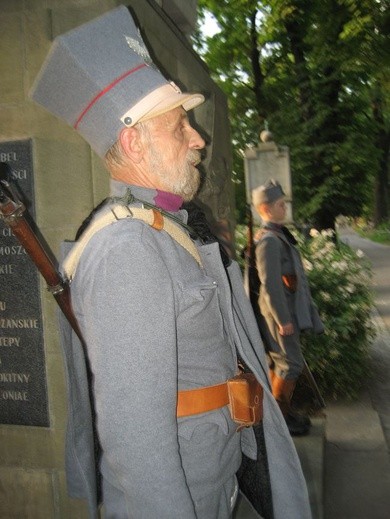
{"points": [[250, 247], [12, 212], [252, 277]]}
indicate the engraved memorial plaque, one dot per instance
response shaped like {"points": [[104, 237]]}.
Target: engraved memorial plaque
{"points": [[23, 391]]}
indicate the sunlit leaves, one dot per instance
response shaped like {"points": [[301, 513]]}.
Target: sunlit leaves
{"points": [[313, 69]]}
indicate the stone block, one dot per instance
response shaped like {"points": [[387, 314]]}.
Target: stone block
{"points": [[70, 508], [101, 179], [11, 122], [63, 174], [311, 452], [38, 38], [183, 14], [26, 494], [58, 402], [27, 447], [12, 6], [11, 57]]}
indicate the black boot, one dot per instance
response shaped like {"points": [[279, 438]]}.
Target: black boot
{"points": [[282, 389], [296, 424], [301, 418]]}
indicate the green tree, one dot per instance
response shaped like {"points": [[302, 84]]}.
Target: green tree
{"points": [[234, 58], [316, 71], [369, 32]]}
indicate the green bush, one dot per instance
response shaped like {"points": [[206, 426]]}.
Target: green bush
{"points": [[340, 281], [241, 237]]}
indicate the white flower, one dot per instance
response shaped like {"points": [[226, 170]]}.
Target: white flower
{"points": [[340, 265], [325, 296], [327, 233], [307, 265], [314, 233]]}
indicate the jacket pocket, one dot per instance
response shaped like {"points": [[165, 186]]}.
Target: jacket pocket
{"points": [[193, 426]]}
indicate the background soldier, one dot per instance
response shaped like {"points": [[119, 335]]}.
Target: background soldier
{"points": [[285, 301]]}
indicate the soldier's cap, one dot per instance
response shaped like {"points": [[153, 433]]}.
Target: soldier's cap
{"points": [[100, 78], [267, 193]]}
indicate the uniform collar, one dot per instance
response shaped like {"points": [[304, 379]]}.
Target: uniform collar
{"points": [[273, 226], [281, 229], [162, 199]]}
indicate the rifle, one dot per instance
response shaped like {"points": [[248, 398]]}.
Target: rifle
{"points": [[12, 212], [252, 282], [251, 276]]}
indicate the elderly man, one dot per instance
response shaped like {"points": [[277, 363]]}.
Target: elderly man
{"points": [[285, 301], [165, 322]]}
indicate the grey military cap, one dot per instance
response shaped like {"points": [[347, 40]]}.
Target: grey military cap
{"points": [[267, 193], [100, 78]]}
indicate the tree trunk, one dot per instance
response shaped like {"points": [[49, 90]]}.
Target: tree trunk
{"points": [[381, 190], [258, 77], [295, 35], [324, 219]]}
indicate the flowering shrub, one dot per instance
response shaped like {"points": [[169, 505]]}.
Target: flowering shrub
{"points": [[340, 280]]}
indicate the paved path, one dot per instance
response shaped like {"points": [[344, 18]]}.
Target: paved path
{"points": [[379, 256], [357, 461]]}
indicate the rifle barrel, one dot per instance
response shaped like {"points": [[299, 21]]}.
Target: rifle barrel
{"points": [[12, 212]]}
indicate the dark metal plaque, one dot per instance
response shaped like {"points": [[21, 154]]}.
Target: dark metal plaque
{"points": [[23, 389]]}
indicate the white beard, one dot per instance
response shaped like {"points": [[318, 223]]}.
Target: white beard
{"points": [[180, 179]]}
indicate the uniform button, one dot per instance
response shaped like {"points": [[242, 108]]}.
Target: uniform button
{"points": [[127, 121]]}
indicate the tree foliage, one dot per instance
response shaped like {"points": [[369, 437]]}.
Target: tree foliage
{"points": [[315, 71]]}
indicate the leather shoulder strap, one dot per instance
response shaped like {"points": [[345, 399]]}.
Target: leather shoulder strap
{"points": [[150, 216]]}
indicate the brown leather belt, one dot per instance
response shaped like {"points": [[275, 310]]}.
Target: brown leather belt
{"points": [[201, 400]]}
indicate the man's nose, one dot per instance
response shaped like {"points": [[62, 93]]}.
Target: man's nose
{"points": [[196, 142]]}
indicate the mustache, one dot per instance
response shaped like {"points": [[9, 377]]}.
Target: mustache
{"points": [[194, 157]]}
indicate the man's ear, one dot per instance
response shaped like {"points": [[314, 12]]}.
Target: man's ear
{"points": [[130, 139], [263, 210], [260, 208]]}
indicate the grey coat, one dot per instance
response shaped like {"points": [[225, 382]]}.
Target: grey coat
{"points": [[155, 322], [275, 257]]}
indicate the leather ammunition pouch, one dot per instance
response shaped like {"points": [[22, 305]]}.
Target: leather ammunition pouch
{"points": [[245, 399]]}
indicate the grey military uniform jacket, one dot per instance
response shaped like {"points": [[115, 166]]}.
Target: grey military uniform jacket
{"points": [[275, 257], [153, 322]]}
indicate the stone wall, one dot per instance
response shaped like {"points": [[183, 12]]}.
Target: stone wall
{"points": [[68, 180]]}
